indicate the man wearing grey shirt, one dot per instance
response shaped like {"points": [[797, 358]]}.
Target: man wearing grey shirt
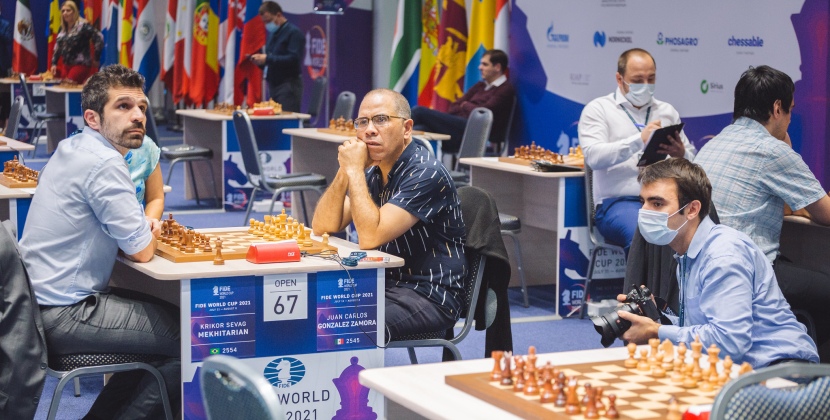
{"points": [[84, 211]]}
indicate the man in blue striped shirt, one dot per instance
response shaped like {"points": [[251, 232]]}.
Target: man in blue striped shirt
{"points": [[728, 292]]}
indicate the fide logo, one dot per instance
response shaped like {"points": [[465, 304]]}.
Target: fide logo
{"points": [[284, 372]]}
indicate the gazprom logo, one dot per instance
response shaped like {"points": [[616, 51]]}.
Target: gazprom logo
{"points": [[599, 38], [554, 37], [677, 41], [284, 372], [753, 41]]}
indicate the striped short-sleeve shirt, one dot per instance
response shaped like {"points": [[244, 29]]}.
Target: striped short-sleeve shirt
{"points": [[433, 249]]}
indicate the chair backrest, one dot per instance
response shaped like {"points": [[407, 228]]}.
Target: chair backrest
{"points": [[589, 203], [14, 119], [247, 145], [505, 140], [25, 88], [476, 134], [742, 398], [318, 96], [424, 142], [344, 107], [231, 389], [151, 130]]}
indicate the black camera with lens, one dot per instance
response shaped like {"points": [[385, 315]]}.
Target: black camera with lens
{"points": [[638, 302]]}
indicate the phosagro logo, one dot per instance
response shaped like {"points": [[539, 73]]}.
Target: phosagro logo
{"points": [[678, 41], [599, 39], [706, 86], [284, 372]]}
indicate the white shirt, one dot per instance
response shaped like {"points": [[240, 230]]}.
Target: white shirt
{"points": [[612, 145], [496, 83]]}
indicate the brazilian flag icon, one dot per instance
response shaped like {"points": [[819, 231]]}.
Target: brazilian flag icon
{"points": [[214, 351]]}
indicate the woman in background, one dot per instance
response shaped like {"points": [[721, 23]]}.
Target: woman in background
{"points": [[78, 46]]}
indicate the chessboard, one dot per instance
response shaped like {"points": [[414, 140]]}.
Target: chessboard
{"points": [[16, 175], [180, 244], [259, 108], [624, 389], [525, 155]]}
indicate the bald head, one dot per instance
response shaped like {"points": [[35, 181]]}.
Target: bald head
{"points": [[638, 53], [399, 102]]}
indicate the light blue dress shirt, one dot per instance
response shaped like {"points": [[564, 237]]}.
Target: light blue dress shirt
{"points": [[142, 162], [753, 174], [729, 297], [84, 210]]}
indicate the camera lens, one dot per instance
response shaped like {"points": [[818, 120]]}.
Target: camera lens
{"points": [[610, 326]]}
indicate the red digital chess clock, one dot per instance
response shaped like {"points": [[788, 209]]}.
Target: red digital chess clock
{"points": [[273, 252]]}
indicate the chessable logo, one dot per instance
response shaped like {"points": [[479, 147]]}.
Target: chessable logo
{"points": [[753, 41], [284, 372]]}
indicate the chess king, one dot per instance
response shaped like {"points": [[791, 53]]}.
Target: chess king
{"points": [[403, 202], [84, 212], [728, 292]]}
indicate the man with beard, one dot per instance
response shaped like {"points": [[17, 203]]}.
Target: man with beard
{"points": [[84, 212]]}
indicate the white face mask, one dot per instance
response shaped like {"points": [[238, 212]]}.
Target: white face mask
{"points": [[654, 226], [639, 94]]}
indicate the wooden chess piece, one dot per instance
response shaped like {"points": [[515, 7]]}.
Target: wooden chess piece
{"points": [[559, 390], [572, 402], [745, 368], [611, 412], [591, 403], [548, 395], [588, 389], [325, 239], [531, 380], [218, 260], [206, 246], [653, 343], [506, 373], [643, 365], [495, 375], [668, 355], [713, 352], [599, 390], [631, 362], [674, 410], [727, 370], [689, 382], [657, 371], [519, 373]]}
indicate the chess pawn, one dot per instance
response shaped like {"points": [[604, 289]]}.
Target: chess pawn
{"points": [[643, 365], [325, 239], [548, 395], [599, 390], [689, 382], [727, 371], [519, 373], [531, 380], [611, 412], [674, 410], [653, 343], [251, 228], [680, 360], [587, 397], [657, 370], [631, 362], [559, 390]]}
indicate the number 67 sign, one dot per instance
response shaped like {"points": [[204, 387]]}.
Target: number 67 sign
{"points": [[285, 296]]}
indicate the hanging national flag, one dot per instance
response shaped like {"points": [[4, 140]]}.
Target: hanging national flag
{"points": [[125, 51], [91, 10], [109, 29], [25, 51], [501, 36], [406, 50], [146, 48], [248, 77], [232, 17], [481, 38], [184, 37], [169, 44], [205, 68], [52, 30], [452, 51], [429, 52]]}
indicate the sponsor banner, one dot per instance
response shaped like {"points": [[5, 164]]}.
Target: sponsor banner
{"points": [[347, 315], [222, 317]]}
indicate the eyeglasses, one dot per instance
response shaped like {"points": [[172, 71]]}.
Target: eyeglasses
{"points": [[379, 120]]}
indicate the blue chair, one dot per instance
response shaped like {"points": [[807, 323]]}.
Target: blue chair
{"points": [[745, 398]]}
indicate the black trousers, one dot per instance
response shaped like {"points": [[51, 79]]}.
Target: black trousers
{"points": [[809, 291], [288, 93], [440, 122], [408, 312]]}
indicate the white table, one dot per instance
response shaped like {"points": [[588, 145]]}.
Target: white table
{"points": [[554, 237], [300, 335], [36, 92], [14, 206], [421, 388], [215, 131], [316, 151]]}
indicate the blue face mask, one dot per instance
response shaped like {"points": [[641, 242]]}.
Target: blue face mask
{"points": [[654, 226], [271, 27]]}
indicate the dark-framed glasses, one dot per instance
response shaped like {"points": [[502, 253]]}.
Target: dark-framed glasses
{"points": [[380, 120]]}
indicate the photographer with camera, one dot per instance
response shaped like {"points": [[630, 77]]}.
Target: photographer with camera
{"points": [[728, 292]]}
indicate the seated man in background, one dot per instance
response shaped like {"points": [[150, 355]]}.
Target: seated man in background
{"points": [[84, 211], [728, 293], [493, 92], [613, 132], [403, 202], [755, 172]]}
